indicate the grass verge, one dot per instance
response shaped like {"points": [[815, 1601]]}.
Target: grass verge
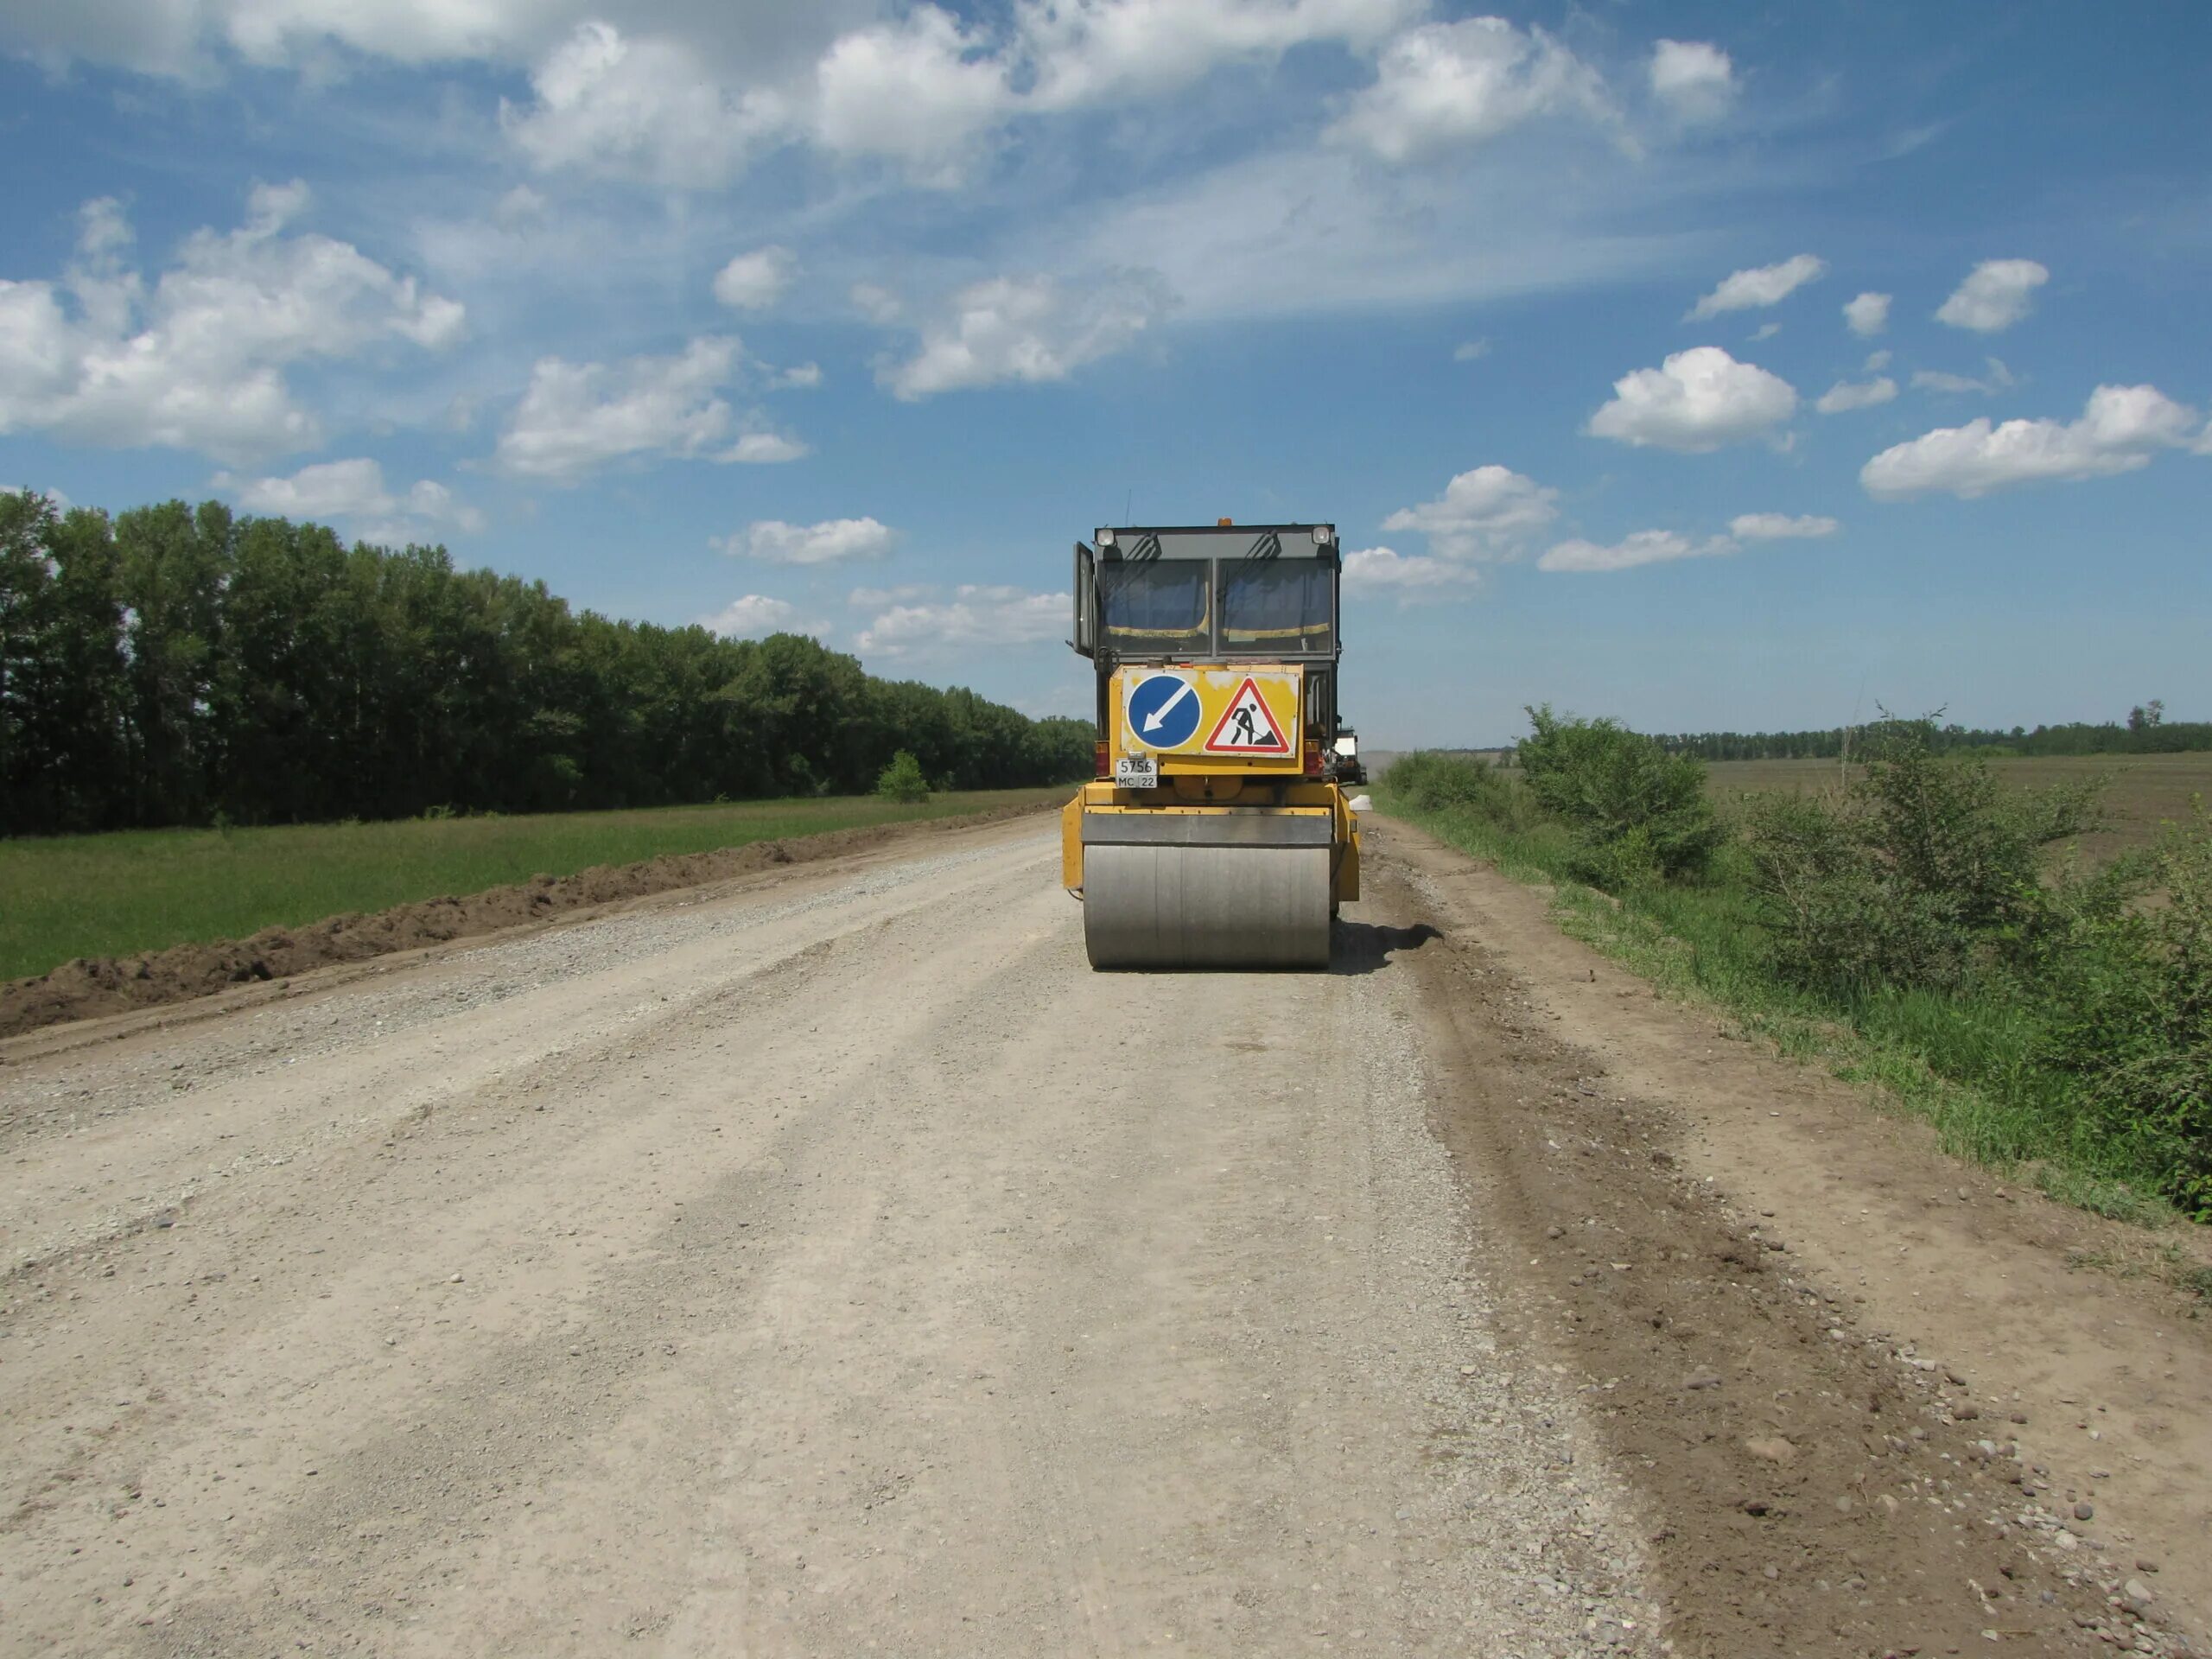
{"points": [[1964, 1063], [119, 894]]}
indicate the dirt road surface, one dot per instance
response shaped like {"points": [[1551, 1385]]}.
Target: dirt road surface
{"points": [[828, 1262]]}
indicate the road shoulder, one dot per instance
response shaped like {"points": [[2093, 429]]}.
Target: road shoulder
{"points": [[1839, 1286]]}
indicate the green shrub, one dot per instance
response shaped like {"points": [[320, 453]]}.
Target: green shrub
{"points": [[1924, 872], [1637, 813], [2127, 991], [902, 780]]}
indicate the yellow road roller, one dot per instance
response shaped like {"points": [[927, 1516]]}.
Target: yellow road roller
{"points": [[1216, 833]]}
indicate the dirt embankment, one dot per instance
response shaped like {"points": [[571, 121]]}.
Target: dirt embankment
{"points": [[89, 987]]}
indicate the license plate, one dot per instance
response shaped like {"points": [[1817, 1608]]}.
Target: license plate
{"points": [[1136, 771]]}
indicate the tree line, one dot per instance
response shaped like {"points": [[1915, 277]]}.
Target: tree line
{"points": [[175, 664], [2145, 731]]}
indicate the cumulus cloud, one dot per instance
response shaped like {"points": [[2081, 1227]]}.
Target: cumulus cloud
{"points": [[1868, 314], [1780, 526], [1692, 80], [800, 377], [1761, 285], [2118, 430], [1665, 546], [198, 361], [755, 281], [1027, 329], [975, 616], [1451, 86], [647, 109], [1086, 51], [1876, 361], [1998, 378], [1998, 293], [832, 541], [751, 616], [352, 492], [1695, 401], [1644, 547], [1846, 395], [920, 88], [1468, 351], [1409, 575], [1488, 512], [577, 418]]}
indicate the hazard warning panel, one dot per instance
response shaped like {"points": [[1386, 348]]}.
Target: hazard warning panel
{"points": [[1248, 726]]}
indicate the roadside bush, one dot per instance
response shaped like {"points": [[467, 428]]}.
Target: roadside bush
{"points": [[902, 780], [1433, 782], [2126, 988], [1637, 814], [1925, 872]]}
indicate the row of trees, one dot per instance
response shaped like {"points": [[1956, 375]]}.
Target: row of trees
{"points": [[2145, 731], [179, 665]]}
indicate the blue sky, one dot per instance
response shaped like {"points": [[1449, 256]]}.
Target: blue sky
{"points": [[1708, 365]]}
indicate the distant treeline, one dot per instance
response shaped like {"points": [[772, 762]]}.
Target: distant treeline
{"points": [[175, 665], [2145, 732]]}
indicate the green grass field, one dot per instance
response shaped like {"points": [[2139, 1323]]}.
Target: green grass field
{"points": [[2141, 791], [1967, 1062], [112, 895]]}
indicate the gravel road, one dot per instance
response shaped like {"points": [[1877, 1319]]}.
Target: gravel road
{"points": [[824, 1264]]}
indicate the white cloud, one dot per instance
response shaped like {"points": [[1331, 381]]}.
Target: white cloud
{"points": [[648, 109], [752, 616], [1780, 526], [576, 417], [755, 281], [1996, 295], [354, 493], [1693, 79], [1090, 51], [1025, 328], [1868, 314], [1876, 361], [976, 616], [1844, 395], [1762, 285], [1697, 400], [918, 90], [198, 362], [1487, 512], [674, 100], [1644, 547], [1468, 351], [879, 305], [338, 489], [1999, 379], [2119, 429], [831, 542], [1448, 85], [800, 377], [1409, 575], [1765, 331]]}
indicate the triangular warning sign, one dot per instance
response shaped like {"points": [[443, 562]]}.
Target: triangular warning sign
{"points": [[1247, 727]]}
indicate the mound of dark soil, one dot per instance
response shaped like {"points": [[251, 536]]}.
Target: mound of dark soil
{"points": [[88, 987]]}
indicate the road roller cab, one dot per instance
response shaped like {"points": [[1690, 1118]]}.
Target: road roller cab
{"points": [[1215, 834]]}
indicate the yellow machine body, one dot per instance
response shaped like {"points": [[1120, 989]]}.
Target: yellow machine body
{"points": [[1236, 856]]}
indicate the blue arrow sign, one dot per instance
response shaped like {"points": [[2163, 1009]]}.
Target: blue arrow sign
{"points": [[1164, 711]]}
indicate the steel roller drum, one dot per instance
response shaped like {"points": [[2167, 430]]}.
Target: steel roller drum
{"points": [[1183, 906]]}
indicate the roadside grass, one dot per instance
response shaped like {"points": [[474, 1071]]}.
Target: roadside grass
{"points": [[118, 894], [1964, 1063]]}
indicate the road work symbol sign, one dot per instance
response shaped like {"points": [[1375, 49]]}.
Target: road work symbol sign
{"points": [[1248, 726], [1164, 710]]}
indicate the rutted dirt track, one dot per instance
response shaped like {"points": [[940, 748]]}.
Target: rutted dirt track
{"points": [[828, 1262]]}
